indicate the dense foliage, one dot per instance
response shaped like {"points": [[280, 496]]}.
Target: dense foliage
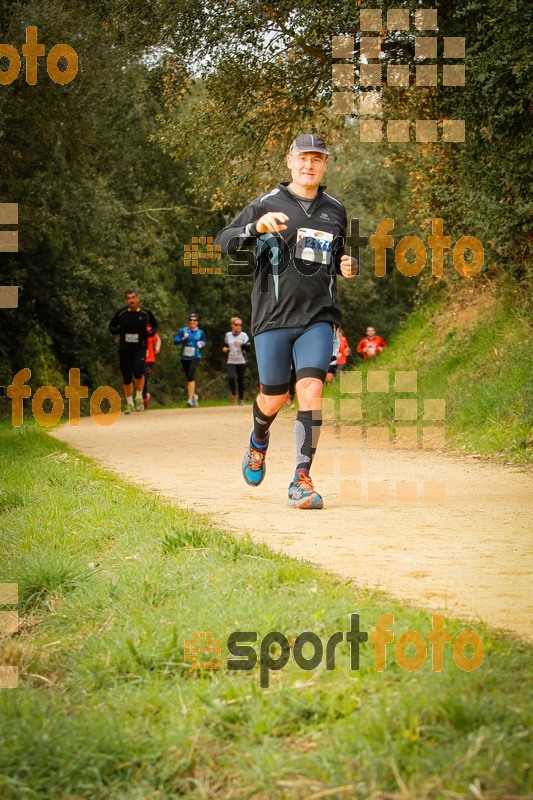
{"points": [[181, 112]]}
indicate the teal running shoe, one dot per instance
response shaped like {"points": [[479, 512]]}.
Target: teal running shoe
{"points": [[253, 465], [302, 493]]}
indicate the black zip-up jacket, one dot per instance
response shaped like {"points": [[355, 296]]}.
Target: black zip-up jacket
{"points": [[131, 325], [294, 271]]}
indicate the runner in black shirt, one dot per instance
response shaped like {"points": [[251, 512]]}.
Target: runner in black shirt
{"points": [[133, 323], [296, 233]]}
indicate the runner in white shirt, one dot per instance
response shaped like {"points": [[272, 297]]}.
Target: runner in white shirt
{"points": [[235, 343]]}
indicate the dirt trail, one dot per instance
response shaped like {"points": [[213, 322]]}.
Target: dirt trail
{"points": [[469, 555]]}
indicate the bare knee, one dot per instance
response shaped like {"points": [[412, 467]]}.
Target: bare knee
{"points": [[270, 403], [309, 391]]}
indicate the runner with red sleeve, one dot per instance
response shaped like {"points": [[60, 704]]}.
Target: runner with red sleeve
{"points": [[371, 344]]}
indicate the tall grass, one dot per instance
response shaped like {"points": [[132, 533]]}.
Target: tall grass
{"points": [[113, 581]]}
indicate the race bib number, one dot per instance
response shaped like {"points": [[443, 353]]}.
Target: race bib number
{"points": [[314, 246], [132, 338], [189, 351]]}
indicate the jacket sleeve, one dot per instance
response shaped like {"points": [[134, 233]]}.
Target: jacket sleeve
{"points": [[361, 346], [114, 325], [179, 336], [339, 244], [247, 345], [242, 231]]}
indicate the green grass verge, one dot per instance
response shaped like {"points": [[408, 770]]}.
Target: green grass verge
{"points": [[481, 369], [112, 580]]}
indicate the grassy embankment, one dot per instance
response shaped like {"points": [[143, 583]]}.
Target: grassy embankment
{"points": [[112, 580], [473, 349]]}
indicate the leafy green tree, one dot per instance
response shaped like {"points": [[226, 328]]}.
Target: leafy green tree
{"points": [[81, 163]]}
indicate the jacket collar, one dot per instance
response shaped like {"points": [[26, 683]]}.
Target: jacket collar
{"points": [[283, 186]]}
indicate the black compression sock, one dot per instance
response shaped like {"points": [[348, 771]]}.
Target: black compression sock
{"points": [[306, 435], [262, 424]]}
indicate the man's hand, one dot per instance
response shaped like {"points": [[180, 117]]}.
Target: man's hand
{"points": [[348, 266], [271, 222]]}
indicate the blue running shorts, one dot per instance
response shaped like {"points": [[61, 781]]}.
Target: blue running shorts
{"points": [[275, 350]]}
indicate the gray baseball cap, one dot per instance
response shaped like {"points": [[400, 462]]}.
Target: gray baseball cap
{"points": [[309, 143]]}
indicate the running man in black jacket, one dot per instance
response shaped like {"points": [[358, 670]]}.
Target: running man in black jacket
{"points": [[297, 233], [134, 324]]}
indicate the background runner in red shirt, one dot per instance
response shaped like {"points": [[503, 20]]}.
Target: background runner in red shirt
{"points": [[371, 344]]}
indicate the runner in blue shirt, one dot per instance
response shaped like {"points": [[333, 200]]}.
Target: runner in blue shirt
{"points": [[192, 340]]}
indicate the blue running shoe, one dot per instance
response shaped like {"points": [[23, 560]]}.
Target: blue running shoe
{"points": [[253, 465], [302, 493]]}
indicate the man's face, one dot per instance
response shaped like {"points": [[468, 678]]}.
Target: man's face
{"points": [[370, 332], [193, 323], [132, 300], [307, 169]]}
